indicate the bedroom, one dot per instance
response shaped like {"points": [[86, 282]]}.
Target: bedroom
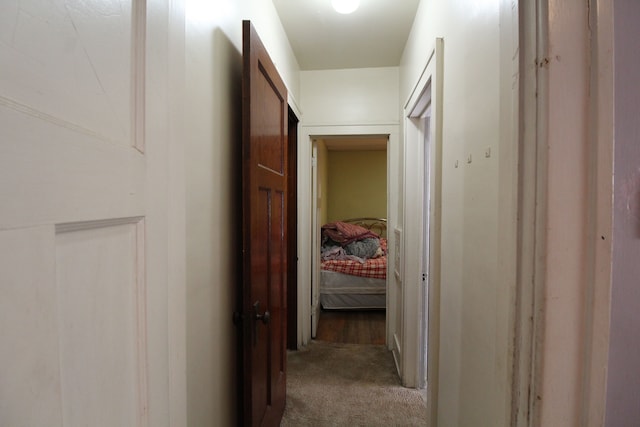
{"points": [[350, 184]]}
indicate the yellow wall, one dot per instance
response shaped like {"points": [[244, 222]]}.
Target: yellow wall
{"points": [[357, 184]]}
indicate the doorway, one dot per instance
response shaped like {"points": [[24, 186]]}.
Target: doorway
{"points": [[349, 186], [306, 224], [417, 278], [422, 207]]}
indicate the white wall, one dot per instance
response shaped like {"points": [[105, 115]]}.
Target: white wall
{"points": [[476, 290], [356, 96], [212, 155], [623, 384]]}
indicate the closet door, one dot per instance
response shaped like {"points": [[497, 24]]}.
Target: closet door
{"points": [[84, 259]]}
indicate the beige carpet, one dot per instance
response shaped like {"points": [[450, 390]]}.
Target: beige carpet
{"points": [[348, 385]]}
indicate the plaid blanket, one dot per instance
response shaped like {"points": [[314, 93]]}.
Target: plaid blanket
{"points": [[375, 268]]}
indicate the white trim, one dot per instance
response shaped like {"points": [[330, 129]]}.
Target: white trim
{"points": [[293, 104], [414, 97], [530, 197], [176, 216], [315, 240], [571, 263], [349, 125], [601, 136], [396, 351]]}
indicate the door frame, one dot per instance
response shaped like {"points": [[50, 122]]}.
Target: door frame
{"points": [[305, 223], [426, 94], [563, 304], [317, 200]]}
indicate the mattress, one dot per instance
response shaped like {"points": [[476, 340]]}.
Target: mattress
{"points": [[343, 291]]}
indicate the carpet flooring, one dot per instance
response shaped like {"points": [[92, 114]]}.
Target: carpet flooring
{"points": [[331, 384]]}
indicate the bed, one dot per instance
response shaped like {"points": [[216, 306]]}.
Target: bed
{"points": [[352, 275]]}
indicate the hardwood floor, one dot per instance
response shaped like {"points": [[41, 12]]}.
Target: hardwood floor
{"points": [[354, 327]]}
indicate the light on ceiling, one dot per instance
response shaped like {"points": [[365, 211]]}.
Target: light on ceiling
{"points": [[345, 6]]}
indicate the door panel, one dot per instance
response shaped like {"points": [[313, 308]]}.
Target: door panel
{"points": [[82, 198], [69, 107], [63, 52], [264, 236], [101, 319]]}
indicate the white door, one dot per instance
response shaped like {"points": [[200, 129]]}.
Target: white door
{"points": [[315, 241], [86, 326]]}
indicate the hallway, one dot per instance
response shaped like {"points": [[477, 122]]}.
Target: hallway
{"points": [[347, 377], [340, 384], [120, 232]]}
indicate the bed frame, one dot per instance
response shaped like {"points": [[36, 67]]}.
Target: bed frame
{"points": [[377, 225]]}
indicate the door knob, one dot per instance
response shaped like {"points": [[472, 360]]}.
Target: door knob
{"points": [[265, 317]]}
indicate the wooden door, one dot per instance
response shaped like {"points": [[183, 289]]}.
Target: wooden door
{"points": [[84, 325], [264, 185]]}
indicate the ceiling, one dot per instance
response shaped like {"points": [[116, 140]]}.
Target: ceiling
{"points": [[372, 36]]}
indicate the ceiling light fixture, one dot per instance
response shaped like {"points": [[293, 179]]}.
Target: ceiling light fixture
{"points": [[345, 6]]}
